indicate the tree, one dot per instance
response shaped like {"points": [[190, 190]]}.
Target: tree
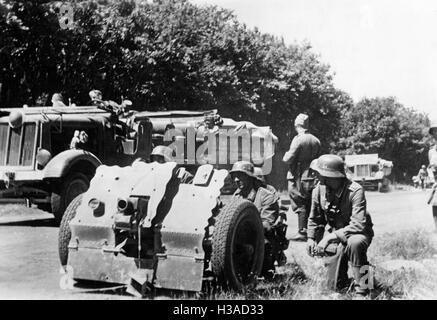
{"points": [[165, 54], [386, 127]]}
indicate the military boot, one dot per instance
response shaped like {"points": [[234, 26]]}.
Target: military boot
{"points": [[434, 215], [361, 290], [301, 235]]}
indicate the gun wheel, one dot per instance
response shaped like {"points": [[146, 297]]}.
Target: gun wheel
{"points": [[237, 245], [65, 231]]}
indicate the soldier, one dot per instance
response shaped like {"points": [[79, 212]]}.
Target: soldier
{"points": [[432, 157], [280, 226], [265, 201], [259, 174], [303, 149], [96, 97], [79, 140], [423, 174], [57, 100], [339, 205], [163, 154]]}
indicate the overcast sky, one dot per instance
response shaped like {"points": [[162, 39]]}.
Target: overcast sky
{"points": [[374, 47]]}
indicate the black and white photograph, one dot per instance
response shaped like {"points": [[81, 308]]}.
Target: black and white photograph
{"points": [[218, 150]]}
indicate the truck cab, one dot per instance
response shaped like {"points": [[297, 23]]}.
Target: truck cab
{"points": [[37, 164], [369, 170]]}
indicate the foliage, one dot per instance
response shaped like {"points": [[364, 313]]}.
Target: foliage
{"points": [[164, 54], [171, 54], [384, 126]]}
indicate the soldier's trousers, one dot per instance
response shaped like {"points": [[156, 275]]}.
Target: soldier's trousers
{"points": [[434, 215], [300, 196], [354, 252], [356, 249]]}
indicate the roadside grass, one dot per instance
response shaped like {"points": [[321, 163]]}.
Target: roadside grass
{"points": [[405, 267]]}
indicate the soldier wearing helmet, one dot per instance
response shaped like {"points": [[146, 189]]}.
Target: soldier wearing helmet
{"points": [[303, 149], [423, 174], [96, 97], [163, 154], [432, 157], [266, 201], [57, 100], [339, 205]]}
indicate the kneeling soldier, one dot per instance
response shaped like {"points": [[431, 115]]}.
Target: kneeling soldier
{"points": [[265, 201], [340, 205]]}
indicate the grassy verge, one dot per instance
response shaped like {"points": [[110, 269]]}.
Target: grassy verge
{"points": [[405, 267]]}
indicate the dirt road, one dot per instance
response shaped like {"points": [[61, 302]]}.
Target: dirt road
{"points": [[29, 266]]}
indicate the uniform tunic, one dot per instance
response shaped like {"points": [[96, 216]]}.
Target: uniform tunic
{"points": [[345, 214], [266, 202], [432, 157], [304, 148]]}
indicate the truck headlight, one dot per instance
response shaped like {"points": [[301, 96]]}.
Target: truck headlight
{"points": [[43, 157]]}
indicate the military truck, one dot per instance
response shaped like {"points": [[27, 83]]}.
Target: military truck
{"points": [[37, 164], [369, 170]]}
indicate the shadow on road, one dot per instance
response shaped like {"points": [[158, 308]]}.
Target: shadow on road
{"points": [[31, 223]]}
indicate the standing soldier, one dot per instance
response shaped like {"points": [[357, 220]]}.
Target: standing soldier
{"points": [[303, 149], [423, 174], [432, 156]]}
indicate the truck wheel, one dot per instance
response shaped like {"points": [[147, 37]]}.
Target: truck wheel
{"points": [[75, 183], [380, 187], [237, 245], [64, 229]]}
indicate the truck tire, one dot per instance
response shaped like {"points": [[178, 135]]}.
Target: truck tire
{"points": [[65, 231], [74, 184], [380, 187], [237, 245]]}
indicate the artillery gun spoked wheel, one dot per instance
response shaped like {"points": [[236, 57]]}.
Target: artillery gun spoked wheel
{"points": [[75, 183], [237, 245], [65, 231]]}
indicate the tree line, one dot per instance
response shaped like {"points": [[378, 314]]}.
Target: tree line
{"points": [[172, 54]]}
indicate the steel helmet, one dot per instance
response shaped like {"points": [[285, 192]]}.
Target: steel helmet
{"points": [[331, 166], [313, 165], [95, 94], [433, 126], [16, 119], [163, 151], [245, 167], [259, 174]]}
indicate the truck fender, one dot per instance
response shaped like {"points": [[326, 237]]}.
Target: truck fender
{"points": [[60, 165]]}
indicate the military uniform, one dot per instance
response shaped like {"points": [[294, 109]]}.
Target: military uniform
{"points": [[266, 202], [252, 188], [304, 148], [184, 176], [432, 156], [345, 214]]}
